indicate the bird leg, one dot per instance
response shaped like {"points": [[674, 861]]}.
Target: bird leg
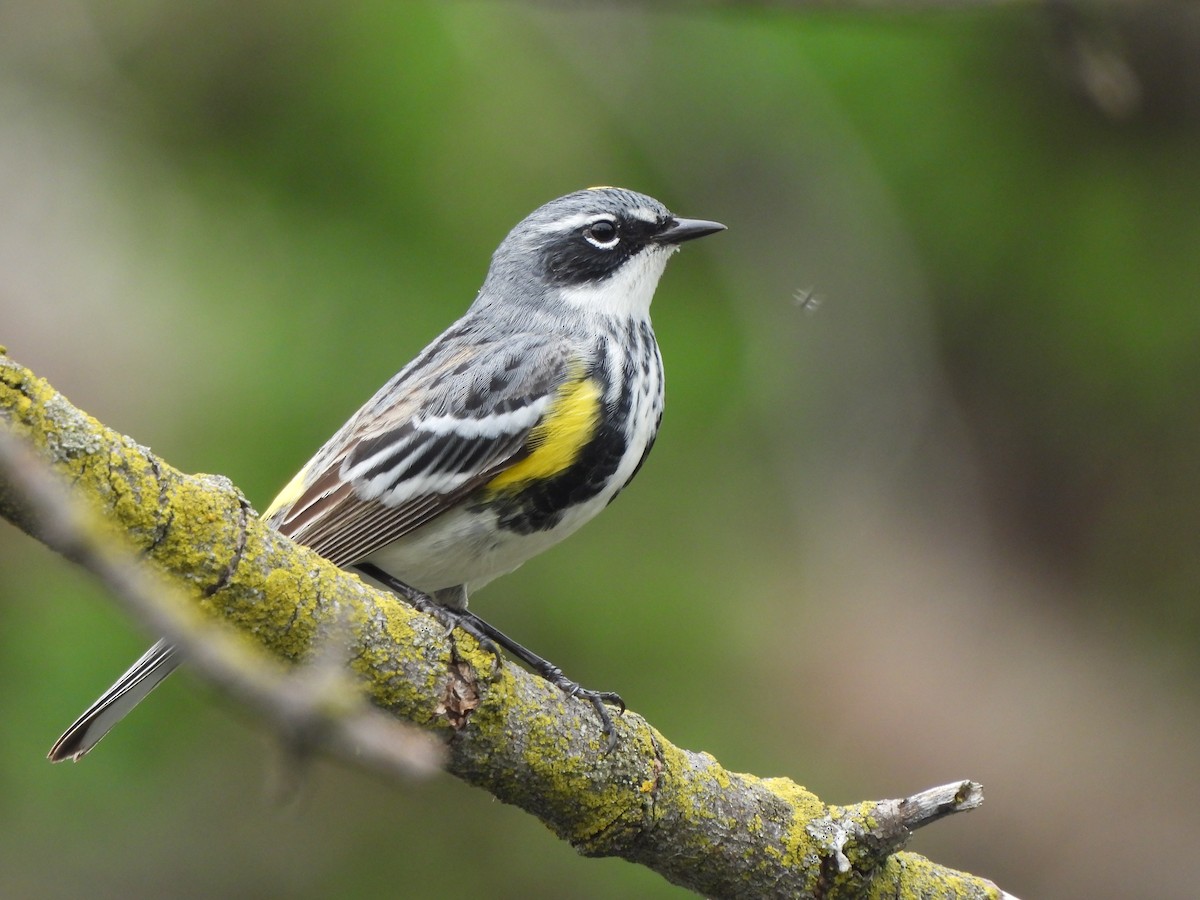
{"points": [[488, 637], [422, 602], [553, 674]]}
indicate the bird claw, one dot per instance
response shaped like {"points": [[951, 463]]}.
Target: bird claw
{"points": [[600, 701], [491, 639]]}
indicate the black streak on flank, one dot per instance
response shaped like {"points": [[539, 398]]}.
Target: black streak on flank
{"points": [[539, 507]]}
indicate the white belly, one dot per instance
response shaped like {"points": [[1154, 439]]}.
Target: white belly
{"points": [[468, 548]]}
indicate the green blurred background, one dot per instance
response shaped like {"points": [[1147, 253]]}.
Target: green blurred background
{"points": [[944, 525]]}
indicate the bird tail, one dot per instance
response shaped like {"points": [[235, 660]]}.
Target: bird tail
{"points": [[129, 690]]}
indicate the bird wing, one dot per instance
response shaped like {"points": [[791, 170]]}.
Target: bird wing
{"points": [[451, 421], [461, 414]]}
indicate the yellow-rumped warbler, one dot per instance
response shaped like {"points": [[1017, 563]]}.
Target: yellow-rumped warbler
{"points": [[518, 424]]}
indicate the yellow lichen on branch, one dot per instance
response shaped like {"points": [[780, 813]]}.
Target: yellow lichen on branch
{"points": [[678, 812]]}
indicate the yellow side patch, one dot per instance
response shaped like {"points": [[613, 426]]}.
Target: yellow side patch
{"points": [[288, 495], [556, 442]]}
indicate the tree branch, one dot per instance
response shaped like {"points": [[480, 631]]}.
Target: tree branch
{"points": [[678, 812], [316, 705]]}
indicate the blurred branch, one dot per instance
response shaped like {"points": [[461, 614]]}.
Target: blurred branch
{"points": [[678, 812], [886, 6], [1126, 58], [314, 705]]}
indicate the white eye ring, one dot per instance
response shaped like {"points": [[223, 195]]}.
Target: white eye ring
{"points": [[602, 233]]}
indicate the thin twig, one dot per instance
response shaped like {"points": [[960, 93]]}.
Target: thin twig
{"points": [[314, 704]]}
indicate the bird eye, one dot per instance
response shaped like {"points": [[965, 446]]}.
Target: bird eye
{"points": [[602, 234]]}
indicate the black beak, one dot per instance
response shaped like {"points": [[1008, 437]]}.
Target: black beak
{"points": [[680, 230]]}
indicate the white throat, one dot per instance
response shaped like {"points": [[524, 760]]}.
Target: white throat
{"points": [[629, 291]]}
